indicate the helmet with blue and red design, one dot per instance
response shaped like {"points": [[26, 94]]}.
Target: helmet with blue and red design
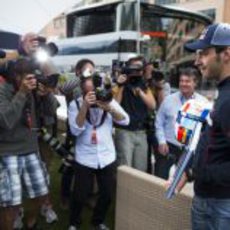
{"points": [[192, 112]]}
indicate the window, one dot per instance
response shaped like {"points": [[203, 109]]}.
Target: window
{"points": [[99, 47], [94, 21], [162, 2], [128, 16]]}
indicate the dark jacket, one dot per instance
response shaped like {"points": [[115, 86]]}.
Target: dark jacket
{"points": [[212, 159], [136, 109], [16, 137]]}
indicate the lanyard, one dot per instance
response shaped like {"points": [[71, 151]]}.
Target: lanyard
{"points": [[93, 122]]}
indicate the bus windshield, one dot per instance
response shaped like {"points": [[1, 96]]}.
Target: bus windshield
{"points": [[93, 21], [111, 31]]}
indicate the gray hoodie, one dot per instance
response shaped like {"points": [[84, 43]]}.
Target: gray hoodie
{"points": [[15, 135]]}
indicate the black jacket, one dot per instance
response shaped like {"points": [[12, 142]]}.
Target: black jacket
{"points": [[212, 159]]}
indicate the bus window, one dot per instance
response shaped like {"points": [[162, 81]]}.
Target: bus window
{"points": [[94, 21], [127, 19], [99, 47]]}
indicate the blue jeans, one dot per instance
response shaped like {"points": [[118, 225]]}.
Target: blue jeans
{"points": [[210, 214]]}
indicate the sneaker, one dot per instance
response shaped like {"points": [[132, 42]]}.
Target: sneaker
{"points": [[49, 214], [18, 223], [100, 227], [72, 228]]}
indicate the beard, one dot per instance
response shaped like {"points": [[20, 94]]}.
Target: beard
{"points": [[213, 70]]}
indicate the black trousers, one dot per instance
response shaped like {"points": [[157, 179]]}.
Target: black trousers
{"points": [[106, 180], [66, 182], [164, 163]]}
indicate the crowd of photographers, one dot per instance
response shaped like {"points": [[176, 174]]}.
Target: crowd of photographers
{"points": [[107, 126], [110, 123], [126, 119]]}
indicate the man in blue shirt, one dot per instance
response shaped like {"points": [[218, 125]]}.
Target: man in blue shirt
{"points": [[169, 149]]}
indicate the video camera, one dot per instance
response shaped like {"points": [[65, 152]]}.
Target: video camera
{"points": [[134, 78], [103, 87], [131, 69], [50, 81]]}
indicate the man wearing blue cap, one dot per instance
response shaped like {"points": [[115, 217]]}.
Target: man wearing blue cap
{"points": [[211, 163]]}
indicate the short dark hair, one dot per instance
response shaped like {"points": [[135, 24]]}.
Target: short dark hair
{"points": [[137, 58], [81, 63], [220, 49], [190, 72]]}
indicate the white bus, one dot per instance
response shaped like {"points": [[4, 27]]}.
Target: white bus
{"points": [[101, 49], [121, 28]]}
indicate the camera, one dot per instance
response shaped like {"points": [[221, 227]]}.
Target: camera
{"points": [[22, 66], [134, 78], [103, 87], [50, 81], [59, 148], [54, 143], [131, 69]]}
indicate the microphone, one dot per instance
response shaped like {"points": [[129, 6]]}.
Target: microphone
{"points": [[2, 54]]}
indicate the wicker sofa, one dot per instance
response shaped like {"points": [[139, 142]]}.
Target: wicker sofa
{"points": [[141, 203]]}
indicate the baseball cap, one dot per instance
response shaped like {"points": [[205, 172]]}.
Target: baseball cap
{"points": [[213, 35]]}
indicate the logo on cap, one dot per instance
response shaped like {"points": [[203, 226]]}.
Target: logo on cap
{"points": [[203, 34]]}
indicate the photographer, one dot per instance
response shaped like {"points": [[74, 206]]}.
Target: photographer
{"points": [[71, 89], [21, 168], [91, 121], [155, 80], [136, 99], [35, 48]]}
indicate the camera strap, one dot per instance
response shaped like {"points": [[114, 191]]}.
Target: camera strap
{"points": [[28, 113], [95, 126]]}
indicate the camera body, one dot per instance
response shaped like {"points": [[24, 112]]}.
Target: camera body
{"points": [[22, 66], [50, 81], [103, 87], [134, 78], [131, 69]]}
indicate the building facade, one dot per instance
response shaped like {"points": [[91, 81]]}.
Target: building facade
{"points": [[56, 28], [217, 9]]}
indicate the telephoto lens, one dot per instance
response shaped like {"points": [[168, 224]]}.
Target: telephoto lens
{"points": [[54, 143]]}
